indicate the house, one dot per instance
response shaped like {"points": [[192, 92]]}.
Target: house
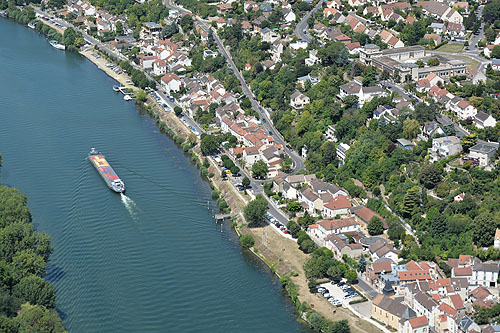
{"points": [[301, 81], [147, 61], [456, 30], [389, 311], [405, 144], [289, 15], [340, 246], [374, 269], [269, 35], [485, 274], [425, 305], [353, 47], [496, 243], [298, 100], [330, 134], [251, 155], [414, 325], [223, 8], [323, 228], [150, 30], [310, 201], [334, 4], [435, 37], [159, 67], [482, 297], [364, 94], [394, 43], [463, 109], [171, 83], [462, 272], [337, 206], [431, 128], [365, 215], [313, 58], [441, 11], [382, 251], [491, 329], [438, 28], [495, 64], [459, 197], [342, 149], [444, 147], [483, 152]]}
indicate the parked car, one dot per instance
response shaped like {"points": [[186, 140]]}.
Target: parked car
{"points": [[326, 295]]}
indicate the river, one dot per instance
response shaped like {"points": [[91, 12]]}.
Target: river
{"points": [[152, 261]]}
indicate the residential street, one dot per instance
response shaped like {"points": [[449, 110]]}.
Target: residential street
{"points": [[301, 27]]}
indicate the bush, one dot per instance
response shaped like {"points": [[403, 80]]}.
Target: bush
{"points": [[247, 241]]}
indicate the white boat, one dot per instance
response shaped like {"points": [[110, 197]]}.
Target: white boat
{"points": [[31, 25], [127, 98], [57, 45]]}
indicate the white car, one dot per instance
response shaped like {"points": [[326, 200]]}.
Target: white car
{"points": [[326, 295]]}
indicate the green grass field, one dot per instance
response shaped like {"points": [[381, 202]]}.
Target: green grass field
{"points": [[451, 47]]}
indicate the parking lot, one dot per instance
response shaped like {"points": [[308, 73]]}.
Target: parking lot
{"points": [[337, 296], [280, 228]]}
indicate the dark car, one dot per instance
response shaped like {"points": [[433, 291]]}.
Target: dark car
{"points": [[270, 133]]}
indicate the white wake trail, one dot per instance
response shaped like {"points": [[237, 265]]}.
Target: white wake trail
{"points": [[129, 205]]}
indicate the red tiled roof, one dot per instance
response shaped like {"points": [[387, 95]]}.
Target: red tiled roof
{"points": [[414, 275], [418, 322], [462, 271], [382, 266], [457, 302], [336, 224], [339, 202], [447, 309]]}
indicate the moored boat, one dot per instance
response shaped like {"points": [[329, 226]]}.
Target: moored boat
{"points": [[127, 98], [31, 25], [57, 45]]}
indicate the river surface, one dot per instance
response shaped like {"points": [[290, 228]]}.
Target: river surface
{"points": [[151, 261]]}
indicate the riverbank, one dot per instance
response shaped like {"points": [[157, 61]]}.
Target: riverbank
{"points": [[280, 254], [124, 79]]}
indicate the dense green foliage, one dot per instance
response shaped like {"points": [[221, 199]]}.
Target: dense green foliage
{"points": [[247, 241], [138, 77], [23, 256], [255, 211]]}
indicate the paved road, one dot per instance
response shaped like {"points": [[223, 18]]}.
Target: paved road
{"points": [[367, 288], [301, 27], [473, 42]]}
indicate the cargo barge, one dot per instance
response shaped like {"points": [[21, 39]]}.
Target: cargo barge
{"points": [[106, 171]]}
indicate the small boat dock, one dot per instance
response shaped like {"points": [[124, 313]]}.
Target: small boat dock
{"points": [[127, 94]]}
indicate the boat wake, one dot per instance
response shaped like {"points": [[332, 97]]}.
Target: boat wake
{"points": [[129, 205]]}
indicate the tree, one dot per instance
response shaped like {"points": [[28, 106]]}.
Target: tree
{"points": [[433, 62], [375, 226], [495, 53], [396, 76], [186, 23], [316, 321], [443, 190], [209, 144], [334, 53], [234, 170], [362, 264], [410, 201], [35, 290], [341, 326], [351, 101], [351, 275], [468, 141], [245, 182], [259, 170], [36, 318], [247, 241], [429, 175], [293, 228], [69, 37], [483, 230], [255, 211], [411, 128], [177, 110], [385, 75], [438, 225], [293, 206], [119, 28]]}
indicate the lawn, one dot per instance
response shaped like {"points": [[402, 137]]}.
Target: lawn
{"points": [[451, 47]]}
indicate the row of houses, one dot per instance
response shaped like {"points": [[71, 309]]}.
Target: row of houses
{"points": [[415, 296]]}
